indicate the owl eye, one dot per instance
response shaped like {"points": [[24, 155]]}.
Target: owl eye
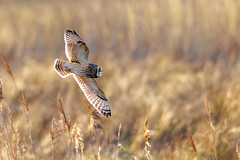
{"points": [[99, 69]]}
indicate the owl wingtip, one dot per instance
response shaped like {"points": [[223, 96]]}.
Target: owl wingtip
{"points": [[58, 66], [68, 30], [106, 113], [71, 31]]}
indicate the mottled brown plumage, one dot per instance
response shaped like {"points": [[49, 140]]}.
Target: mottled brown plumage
{"points": [[75, 49], [83, 72]]}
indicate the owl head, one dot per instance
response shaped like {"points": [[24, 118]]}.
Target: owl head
{"points": [[94, 71]]}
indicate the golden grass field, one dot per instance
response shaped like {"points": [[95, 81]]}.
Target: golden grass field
{"points": [[170, 72]]}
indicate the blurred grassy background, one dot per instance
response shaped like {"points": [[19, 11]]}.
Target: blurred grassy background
{"points": [[160, 59]]}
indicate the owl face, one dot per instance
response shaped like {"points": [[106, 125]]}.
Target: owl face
{"points": [[94, 71], [99, 71]]}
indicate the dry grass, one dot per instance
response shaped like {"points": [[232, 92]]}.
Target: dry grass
{"points": [[237, 151], [1, 94], [213, 131], [119, 145], [192, 143], [25, 108], [146, 138], [165, 60]]}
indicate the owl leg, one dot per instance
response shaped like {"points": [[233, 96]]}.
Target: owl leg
{"points": [[59, 66]]}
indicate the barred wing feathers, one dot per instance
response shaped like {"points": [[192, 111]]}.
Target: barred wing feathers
{"points": [[58, 66], [94, 94], [75, 49]]}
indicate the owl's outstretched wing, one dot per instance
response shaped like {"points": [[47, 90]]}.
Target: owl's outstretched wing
{"points": [[75, 49], [94, 94], [59, 68]]}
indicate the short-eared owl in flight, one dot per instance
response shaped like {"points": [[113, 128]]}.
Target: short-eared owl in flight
{"points": [[83, 72]]}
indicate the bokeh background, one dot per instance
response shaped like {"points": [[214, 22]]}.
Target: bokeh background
{"points": [[161, 59]]}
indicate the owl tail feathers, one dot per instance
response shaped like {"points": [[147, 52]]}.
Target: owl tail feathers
{"points": [[58, 66]]}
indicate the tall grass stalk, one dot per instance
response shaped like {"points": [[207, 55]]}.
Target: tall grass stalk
{"points": [[15, 140], [237, 150], [67, 124], [23, 100], [192, 144], [146, 138], [212, 128], [119, 145]]}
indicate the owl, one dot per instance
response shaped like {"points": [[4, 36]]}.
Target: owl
{"points": [[83, 72]]}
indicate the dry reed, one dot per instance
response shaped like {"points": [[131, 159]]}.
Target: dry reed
{"points": [[77, 138], [56, 129], [67, 124], [23, 100], [3, 130], [192, 143], [5, 64], [208, 111], [95, 127], [1, 94], [61, 111], [6, 143], [146, 138], [119, 145], [15, 140], [237, 150], [213, 131], [98, 156], [107, 136]]}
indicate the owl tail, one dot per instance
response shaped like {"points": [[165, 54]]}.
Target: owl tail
{"points": [[58, 66]]}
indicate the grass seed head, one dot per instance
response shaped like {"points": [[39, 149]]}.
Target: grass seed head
{"points": [[62, 113], [24, 101], [6, 66], [77, 138], [146, 138], [191, 142]]}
